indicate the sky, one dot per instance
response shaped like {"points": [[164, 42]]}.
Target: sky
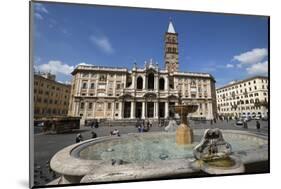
{"points": [[230, 47]]}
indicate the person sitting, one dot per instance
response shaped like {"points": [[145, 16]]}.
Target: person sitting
{"points": [[94, 135], [79, 138], [116, 132]]}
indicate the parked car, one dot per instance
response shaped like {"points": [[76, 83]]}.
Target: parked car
{"points": [[265, 118], [257, 118], [239, 122], [246, 119]]}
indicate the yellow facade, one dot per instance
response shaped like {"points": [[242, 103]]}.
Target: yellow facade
{"points": [[51, 98]]}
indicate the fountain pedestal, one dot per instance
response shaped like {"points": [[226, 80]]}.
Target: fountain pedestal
{"points": [[184, 134]]}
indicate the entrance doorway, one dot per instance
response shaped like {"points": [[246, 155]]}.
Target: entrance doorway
{"points": [[172, 109], [127, 109], [150, 109], [138, 109], [161, 109]]}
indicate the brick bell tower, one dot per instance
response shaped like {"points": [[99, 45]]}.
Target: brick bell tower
{"points": [[171, 49]]}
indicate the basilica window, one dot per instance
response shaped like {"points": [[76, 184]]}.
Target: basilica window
{"points": [[109, 106], [92, 85], [90, 106], [84, 85], [82, 105], [129, 81], [193, 83], [139, 83], [151, 81], [118, 86], [161, 84], [102, 77]]}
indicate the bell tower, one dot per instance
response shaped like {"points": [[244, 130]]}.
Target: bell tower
{"points": [[171, 49]]}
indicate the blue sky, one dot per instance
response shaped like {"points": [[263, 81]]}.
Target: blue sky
{"points": [[230, 47]]}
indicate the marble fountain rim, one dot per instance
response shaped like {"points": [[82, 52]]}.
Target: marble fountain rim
{"points": [[67, 162]]}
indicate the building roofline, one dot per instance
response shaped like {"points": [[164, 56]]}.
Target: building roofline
{"points": [[99, 68], [64, 84], [195, 74], [242, 81]]}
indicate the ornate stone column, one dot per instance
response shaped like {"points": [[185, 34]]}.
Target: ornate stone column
{"points": [[94, 109], [133, 109], [156, 107], [143, 110], [166, 109], [113, 110], [121, 110], [166, 83]]}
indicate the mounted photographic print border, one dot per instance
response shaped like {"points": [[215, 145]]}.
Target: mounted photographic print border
{"points": [[123, 94]]}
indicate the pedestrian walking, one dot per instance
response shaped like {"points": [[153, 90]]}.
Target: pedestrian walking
{"points": [[245, 125], [258, 125], [139, 128]]}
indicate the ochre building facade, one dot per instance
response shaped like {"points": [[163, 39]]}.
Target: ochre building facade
{"points": [[51, 98]]}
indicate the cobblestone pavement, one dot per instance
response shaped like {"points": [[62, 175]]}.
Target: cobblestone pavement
{"points": [[46, 145]]}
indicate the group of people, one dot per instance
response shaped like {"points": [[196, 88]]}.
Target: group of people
{"points": [[79, 136], [258, 125], [143, 126]]}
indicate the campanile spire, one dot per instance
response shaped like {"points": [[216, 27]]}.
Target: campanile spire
{"points": [[171, 49]]}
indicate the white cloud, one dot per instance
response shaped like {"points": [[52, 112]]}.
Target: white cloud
{"points": [[55, 67], [229, 65], [83, 64], [258, 68], [239, 65], [65, 82], [103, 43], [39, 16], [251, 57], [41, 8]]}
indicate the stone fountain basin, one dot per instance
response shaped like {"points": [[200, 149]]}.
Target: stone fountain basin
{"points": [[145, 156]]}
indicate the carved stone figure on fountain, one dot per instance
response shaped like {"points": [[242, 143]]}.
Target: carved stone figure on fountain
{"points": [[214, 155]]}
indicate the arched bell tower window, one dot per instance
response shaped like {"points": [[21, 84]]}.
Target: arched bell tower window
{"points": [[161, 84], [150, 81], [171, 83], [139, 83]]}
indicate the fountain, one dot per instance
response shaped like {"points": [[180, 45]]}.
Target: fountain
{"points": [[184, 134], [157, 155]]}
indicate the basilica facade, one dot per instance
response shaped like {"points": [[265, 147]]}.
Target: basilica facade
{"points": [[146, 92]]}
